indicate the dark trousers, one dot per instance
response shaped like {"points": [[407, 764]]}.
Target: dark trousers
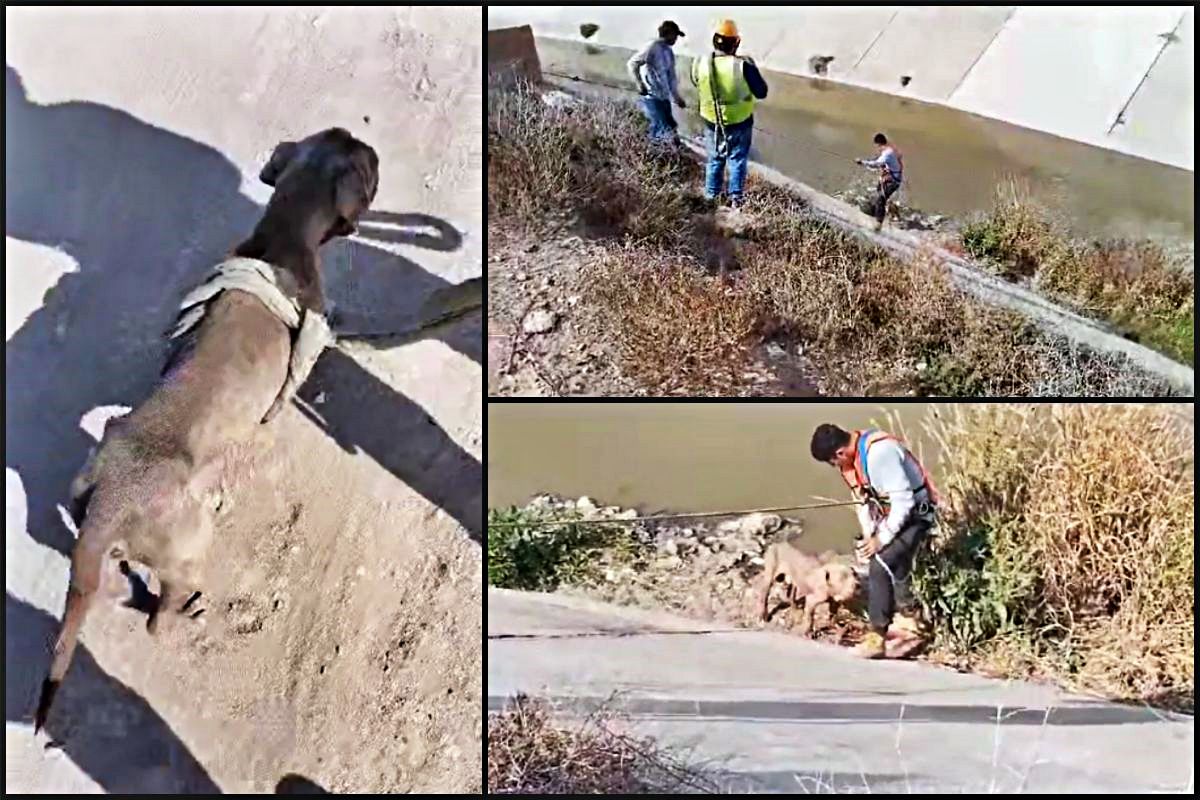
{"points": [[887, 187], [887, 592]]}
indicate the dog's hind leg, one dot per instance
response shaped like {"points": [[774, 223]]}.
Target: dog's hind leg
{"points": [[84, 482], [180, 573], [82, 486], [178, 594]]}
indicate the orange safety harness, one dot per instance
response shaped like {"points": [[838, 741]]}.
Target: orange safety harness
{"points": [[858, 479], [884, 172]]}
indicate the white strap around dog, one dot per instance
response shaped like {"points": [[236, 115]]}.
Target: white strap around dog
{"points": [[311, 331]]}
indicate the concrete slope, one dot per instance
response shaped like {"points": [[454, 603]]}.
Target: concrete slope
{"points": [[780, 713], [988, 288], [1073, 72]]}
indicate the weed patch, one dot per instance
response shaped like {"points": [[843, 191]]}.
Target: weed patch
{"points": [[1067, 547]]}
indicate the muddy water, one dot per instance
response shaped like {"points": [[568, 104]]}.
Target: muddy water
{"points": [[684, 456], [812, 130]]}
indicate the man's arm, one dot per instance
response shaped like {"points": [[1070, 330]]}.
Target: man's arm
{"points": [[886, 466], [754, 79], [634, 65]]}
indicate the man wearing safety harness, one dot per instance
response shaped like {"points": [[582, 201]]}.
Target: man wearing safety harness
{"points": [[898, 511], [890, 164], [728, 85]]}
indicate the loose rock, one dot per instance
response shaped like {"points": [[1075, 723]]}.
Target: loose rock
{"points": [[540, 321]]}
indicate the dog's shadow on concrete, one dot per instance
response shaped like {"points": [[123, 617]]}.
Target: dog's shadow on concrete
{"points": [[145, 213], [106, 728]]}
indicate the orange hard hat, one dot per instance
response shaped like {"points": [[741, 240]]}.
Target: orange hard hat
{"points": [[726, 28]]}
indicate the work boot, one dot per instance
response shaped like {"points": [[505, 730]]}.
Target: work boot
{"points": [[871, 647]]}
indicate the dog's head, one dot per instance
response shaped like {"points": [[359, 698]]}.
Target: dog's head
{"points": [[841, 582], [333, 158]]}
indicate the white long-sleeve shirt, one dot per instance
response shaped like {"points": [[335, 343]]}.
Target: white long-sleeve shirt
{"points": [[897, 477], [888, 158]]}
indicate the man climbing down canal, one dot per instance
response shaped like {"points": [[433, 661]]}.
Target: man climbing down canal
{"points": [[728, 85], [653, 70], [898, 512], [890, 164]]}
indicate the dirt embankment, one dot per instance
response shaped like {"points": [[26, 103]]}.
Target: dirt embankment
{"points": [[613, 276]]}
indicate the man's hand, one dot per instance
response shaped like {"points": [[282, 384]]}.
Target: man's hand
{"points": [[867, 548]]}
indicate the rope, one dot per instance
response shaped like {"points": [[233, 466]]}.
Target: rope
{"points": [[651, 517], [902, 193], [766, 131]]}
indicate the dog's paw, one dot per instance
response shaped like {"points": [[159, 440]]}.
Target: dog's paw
{"points": [[194, 608]]}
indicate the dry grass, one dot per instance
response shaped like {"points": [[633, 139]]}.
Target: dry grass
{"points": [[1130, 283], [1068, 547], [1018, 233], [871, 322], [591, 157], [530, 752], [677, 331]]}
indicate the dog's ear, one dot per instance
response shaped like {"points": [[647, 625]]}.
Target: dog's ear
{"points": [[282, 156], [356, 188]]}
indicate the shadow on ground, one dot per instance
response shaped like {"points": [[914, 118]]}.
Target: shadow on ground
{"points": [[106, 728], [298, 784]]}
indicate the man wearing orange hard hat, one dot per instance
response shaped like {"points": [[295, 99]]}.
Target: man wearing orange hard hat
{"points": [[728, 85]]}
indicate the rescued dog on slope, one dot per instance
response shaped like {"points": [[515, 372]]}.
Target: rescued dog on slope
{"points": [[813, 579], [147, 482]]}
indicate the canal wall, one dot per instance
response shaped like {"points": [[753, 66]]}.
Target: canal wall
{"points": [[1117, 78]]}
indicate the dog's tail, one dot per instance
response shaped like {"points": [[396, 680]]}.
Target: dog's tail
{"points": [[87, 560]]}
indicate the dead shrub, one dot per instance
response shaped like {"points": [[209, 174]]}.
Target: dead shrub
{"points": [[593, 158], [1073, 527], [529, 752], [676, 330], [529, 155], [1133, 284]]}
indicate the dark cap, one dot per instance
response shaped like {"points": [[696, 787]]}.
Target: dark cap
{"points": [[669, 27]]}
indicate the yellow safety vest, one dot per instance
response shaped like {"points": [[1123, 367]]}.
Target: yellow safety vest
{"points": [[737, 103]]}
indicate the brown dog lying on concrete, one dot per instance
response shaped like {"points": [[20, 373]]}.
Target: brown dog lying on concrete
{"points": [[148, 481], [813, 579]]}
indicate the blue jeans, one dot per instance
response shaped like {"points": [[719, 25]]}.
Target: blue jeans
{"points": [[662, 121], [737, 140]]}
